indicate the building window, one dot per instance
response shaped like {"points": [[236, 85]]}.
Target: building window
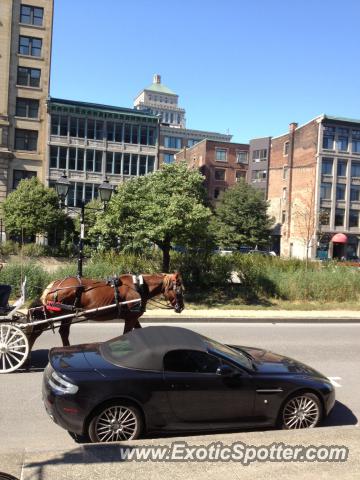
{"points": [[342, 139], [26, 139], [26, 107], [216, 192], [286, 148], [191, 142], [284, 193], [169, 157], [31, 15], [339, 217], [172, 142], [354, 218], [326, 166], [30, 46], [258, 175], [240, 174], [329, 138], [355, 193], [219, 174], [19, 175], [242, 156], [143, 135], [283, 216], [59, 125], [152, 136], [285, 172], [340, 192], [29, 77], [324, 216], [355, 169], [221, 155], [77, 127], [341, 168], [325, 191], [259, 155], [356, 141], [79, 192]]}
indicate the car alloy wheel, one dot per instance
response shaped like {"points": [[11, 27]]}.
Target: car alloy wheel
{"points": [[301, 411], [115, 423]]}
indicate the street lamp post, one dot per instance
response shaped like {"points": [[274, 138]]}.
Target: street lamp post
{"points": [[62, 189]]}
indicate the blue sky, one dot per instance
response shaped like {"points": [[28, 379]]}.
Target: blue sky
{"points": [[249, 67]]}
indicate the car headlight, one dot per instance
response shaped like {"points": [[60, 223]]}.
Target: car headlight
{"points": [[61, 385]]}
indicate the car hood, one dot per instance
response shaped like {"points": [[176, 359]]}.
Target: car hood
{"points": [[273, 363]]}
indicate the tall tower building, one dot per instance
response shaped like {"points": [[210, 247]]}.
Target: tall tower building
{"points": [[25, 53], [160, 100]]}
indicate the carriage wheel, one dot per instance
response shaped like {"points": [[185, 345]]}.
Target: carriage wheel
{"points": [[14, 348]]}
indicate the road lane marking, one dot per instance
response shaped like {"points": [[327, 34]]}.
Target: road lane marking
{"points": [[334, 381]]}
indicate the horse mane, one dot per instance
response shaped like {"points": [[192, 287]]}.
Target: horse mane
{"points": [[167, 281]]}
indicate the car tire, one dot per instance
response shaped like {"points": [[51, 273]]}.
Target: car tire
{"points": [[301, 410], [115, 422]]}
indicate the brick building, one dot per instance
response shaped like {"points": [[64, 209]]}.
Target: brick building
{"points": [[25, 52], [314, 188], [222, 163]]}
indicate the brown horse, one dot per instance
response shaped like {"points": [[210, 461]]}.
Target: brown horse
{"points": [[73, 294]]}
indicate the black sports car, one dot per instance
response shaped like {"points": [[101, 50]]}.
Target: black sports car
{"points": [[170, 378]]}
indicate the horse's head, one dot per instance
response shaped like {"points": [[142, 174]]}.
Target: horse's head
{"points": [[173, 291]]}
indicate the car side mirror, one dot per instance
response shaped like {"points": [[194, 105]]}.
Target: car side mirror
{"points": [[225, 371]]}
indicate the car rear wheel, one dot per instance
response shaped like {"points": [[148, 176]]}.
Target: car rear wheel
{"points": [[302, 410], [116, 422]]}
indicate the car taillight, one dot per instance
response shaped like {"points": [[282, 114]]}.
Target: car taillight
{"points": [[61, 385]]}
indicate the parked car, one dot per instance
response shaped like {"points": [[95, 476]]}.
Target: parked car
{"points": [[264, 253], [173, 379]]}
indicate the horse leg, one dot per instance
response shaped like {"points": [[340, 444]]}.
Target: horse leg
{"points": [[131, 322], [32, 337], [137, 324], [64, 331]]}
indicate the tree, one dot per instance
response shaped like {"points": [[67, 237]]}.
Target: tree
{"points": [[305, 219], [31, 209], [241, 218], [166, 208]]}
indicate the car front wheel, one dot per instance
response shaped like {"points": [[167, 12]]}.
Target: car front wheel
{"points": [[302, 410], [116, 422]]}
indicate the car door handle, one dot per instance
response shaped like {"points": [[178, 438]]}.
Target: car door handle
{"points": [[180, 386]]}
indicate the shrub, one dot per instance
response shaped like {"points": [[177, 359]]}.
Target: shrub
{"points": [[9, 248], [14, 274], [34, 250]]}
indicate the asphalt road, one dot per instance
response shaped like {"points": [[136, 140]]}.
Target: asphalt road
{"points": [[332, 349]]}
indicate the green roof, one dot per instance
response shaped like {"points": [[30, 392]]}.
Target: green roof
{"points": [[160, 88]]}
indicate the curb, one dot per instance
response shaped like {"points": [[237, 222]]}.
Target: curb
{"points": [[316, 320]]}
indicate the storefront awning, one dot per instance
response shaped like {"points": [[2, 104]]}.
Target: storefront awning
{"points": [[339, 238]]}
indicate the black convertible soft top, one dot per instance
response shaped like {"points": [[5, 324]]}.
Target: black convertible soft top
{"points": [[144, 348]]}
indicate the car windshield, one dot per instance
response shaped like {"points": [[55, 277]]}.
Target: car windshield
{"points": [[225, 351]]}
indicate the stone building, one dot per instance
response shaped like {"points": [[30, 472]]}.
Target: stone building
{"points": [[25, 53], [314, 188], [259, 152], [222, 164], [160, 100], [89, 142]]}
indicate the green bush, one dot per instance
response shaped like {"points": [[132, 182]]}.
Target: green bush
{"points": [[9, 248], [14, 274], [34, 250]]}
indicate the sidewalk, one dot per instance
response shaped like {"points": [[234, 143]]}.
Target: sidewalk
{"points": [[258, 316], [103, 462]]}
